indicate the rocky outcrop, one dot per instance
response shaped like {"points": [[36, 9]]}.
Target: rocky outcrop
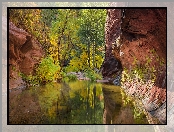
{"points": [[112, 67], [111, 70], [137, 37], [112, 30], [24, 54]]}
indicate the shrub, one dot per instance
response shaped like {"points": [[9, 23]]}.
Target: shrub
{"points": [[92, 75], [48, 70], [69, 77]]}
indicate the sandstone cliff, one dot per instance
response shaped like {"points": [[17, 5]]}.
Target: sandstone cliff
{"points": [[137, 37], [24, 54]]}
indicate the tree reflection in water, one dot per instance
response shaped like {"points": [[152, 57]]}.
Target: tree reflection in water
{"points": [[118, 108], [79, 102], [86, 105]]}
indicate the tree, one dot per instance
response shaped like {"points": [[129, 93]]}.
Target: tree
{"points": [[63, 33], [92, 33]]}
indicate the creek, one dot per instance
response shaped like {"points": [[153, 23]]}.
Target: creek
{"points": [[78, 102]]}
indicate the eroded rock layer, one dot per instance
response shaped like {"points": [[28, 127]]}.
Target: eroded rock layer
{"points": [[24, 54], [137, 38]]}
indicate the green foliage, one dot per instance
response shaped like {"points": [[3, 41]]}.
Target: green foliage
{"points": [[140, 73], [69, 77], [78, 64], [34, 22], [81, 63], [48, 71], [27, 19], [143, 73], [73, 37], [92, 75], [91, 34], [49, 16], [31, 80], [13, 68], [126, 99], [63, 34]]}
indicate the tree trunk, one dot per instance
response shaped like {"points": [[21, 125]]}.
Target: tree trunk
{"points": [[89, 52], [62, 32]]}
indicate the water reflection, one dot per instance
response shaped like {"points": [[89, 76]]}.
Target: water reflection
{"points": [[114, 110], [80, 106], [80, 102]]}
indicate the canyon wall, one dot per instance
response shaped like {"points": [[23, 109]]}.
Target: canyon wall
{"points": [[136, 39], [24, 53]]}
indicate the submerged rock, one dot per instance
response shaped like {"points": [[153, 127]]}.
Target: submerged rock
{"points": [[117, 80]]}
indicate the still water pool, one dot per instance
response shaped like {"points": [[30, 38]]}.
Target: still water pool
{"points": [[79, 102]]}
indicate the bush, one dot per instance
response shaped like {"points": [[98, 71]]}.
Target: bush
{"points": [[29, 79], [92, 75], [48, 71], [70, 77]]}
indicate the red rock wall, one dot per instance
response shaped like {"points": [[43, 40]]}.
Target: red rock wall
{"points": [[24, 54], [112, 29], [142, 35], [144, 30]]}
